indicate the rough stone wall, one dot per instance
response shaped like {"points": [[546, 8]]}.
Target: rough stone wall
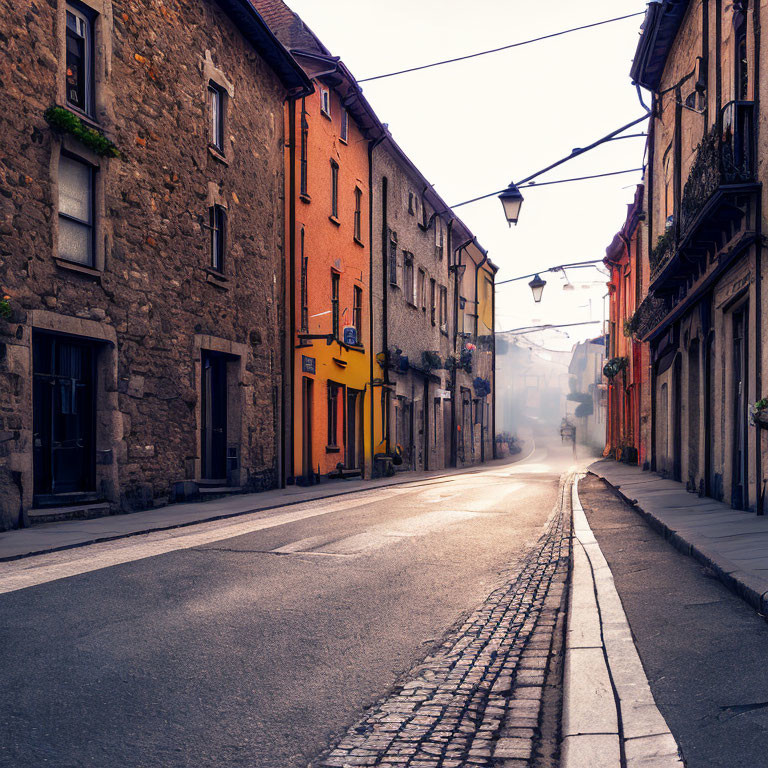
{"points": [[153, 290], [410, 327]]}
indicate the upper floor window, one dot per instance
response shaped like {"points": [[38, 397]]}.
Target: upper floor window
{"points": [[335, 277], [421, 287], [216, 107], [325, 102], [334, 189], [357, 313], [75, 210], [411, 209], [218, 216], [742, 62], [392, 260], [443, 309], [408, 286], [304, 149], [344, 135], [80, 62], [438, 238], [432, 300], [358, 214]]}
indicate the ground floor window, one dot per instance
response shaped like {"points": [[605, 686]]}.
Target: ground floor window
{"points": [[333, 414]]}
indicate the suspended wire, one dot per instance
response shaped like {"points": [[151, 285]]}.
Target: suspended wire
{"points": [[547, 183], [502, 48]]}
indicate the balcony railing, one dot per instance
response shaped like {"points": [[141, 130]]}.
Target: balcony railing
{"points": [[725, 157], [725, 160]]}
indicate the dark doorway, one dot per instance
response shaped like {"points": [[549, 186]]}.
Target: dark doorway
{"points": [[214, 417], [709, 416], [64, 418], [353, 452], [739, 386], [306, 427], [677, 422], [694, 410]]}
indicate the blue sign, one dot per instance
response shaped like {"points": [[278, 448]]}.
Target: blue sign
{"points": [[307, 364], [350, 335]]}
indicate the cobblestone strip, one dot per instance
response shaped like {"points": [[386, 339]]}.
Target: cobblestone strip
{"points": [[488, 676]]}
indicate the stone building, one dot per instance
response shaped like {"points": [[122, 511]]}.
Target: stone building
{"points": [[141, 226], [704, 313], [588, 393], [628, 397], [413, 324]]}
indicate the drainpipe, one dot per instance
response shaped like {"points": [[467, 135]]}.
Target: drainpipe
{"points": [[493, 367], [371, 420], [384, 304], [454, 375], [477, 324], [287, 442]]}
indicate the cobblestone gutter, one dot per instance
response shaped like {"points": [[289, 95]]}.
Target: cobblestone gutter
{"points": [[478, 700]]}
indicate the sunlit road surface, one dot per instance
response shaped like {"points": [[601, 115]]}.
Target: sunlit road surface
{"points": [[254, 641]]}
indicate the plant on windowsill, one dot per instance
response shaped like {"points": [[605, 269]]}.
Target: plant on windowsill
{"points": [[631, 325], [614, 367], [63, 121], [758, 413], [6, 310], [431, 361]]}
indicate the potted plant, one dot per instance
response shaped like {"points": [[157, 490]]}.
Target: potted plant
{"points": [[758, 413]]}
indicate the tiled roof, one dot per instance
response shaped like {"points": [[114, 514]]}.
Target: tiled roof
{"points": [[288, 27]]}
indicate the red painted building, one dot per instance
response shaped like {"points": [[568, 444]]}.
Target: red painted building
{"points": [[626, 368]]}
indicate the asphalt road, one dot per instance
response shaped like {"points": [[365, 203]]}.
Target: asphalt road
{"points": [[703, 649], [257, 649]]}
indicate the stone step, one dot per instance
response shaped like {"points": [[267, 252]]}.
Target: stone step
{"points": [[73, 512]]}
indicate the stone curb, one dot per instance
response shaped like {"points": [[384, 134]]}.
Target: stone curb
{"points": [[728, 573]]}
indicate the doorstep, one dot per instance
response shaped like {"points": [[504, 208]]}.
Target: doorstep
{"points": [[732, 543], [72, 512]]}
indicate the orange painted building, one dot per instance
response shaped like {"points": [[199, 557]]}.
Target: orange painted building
{"points": [[627, 358], [328, 251]]}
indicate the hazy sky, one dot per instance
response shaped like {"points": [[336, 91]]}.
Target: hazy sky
{"points": [[474, 126]]}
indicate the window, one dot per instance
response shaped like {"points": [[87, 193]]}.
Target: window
{"points": [[75, 210], [79, 60], [218, 216], [334, 189], [303, 156], [392, 265], [410, 203], [344, 135], [432, 300], [435, 420], [438, 238], [358, 215], [216, 103], [325, 102], [742, 60], [408, 286], [357, 313], [335, 303], [422, 290], [333, 413], [443, 309], [304, 291]]}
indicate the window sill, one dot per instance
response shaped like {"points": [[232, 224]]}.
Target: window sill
{"points": [[343, 141], [325, 114], [81, 269], [445, 333], [359, 242], [217, 155], [334, 220], [216, 278], [332, 449], [89, 120], [304, 197]]}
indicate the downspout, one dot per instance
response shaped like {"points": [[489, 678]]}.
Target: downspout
{"points": [[454, 376], [758, 276], [477, 325], [288, 400], [384, 306], [493, 366], [371, 418]]}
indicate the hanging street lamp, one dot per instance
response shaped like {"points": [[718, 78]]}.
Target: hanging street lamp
{"points": [[537, 287], [512, 200]]}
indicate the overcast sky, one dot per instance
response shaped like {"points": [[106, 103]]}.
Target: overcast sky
{"points": [[475, 125]]}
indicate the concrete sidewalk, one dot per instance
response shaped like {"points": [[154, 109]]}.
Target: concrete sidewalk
{"points": [[50, 537], [731, 542]]}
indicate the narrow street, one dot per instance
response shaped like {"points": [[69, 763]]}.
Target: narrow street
{"points": [[256, 641]]}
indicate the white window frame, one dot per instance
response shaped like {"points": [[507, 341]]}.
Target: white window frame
{"points": [[216, 115], [344, 133], [84, 28], [325, 101]]}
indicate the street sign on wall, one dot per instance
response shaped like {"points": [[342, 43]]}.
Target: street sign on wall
{"points": [[350, 335], [307, 364]]}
